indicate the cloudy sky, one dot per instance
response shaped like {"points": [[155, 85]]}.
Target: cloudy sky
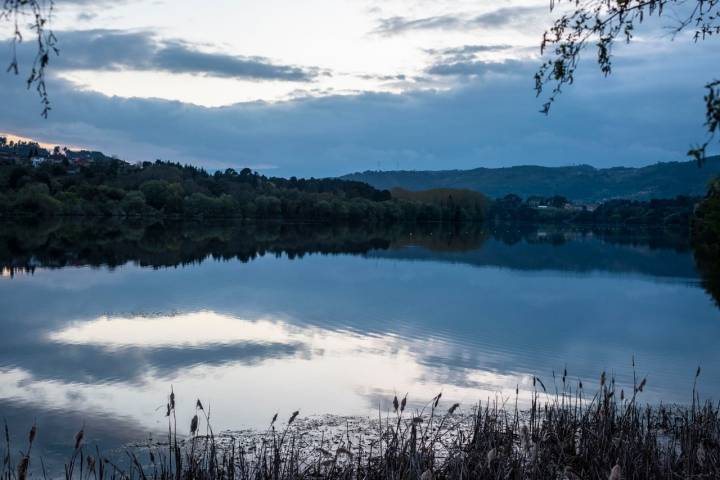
{"points": [[326, 87]]}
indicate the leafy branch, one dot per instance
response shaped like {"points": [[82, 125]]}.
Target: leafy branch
{"points": [[38, 13], [602, 23]]}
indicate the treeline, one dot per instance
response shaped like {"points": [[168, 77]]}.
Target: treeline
{"points": [[112, 187], [660, 212], [456, 204]]}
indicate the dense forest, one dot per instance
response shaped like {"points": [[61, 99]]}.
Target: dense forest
{"points": [[113, 188], [557, 209], [110, 187], [35, 182]]}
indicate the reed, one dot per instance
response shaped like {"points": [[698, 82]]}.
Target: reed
{"points": [[562, 435]]}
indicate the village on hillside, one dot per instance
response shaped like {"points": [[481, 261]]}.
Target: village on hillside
{"points": [[27, 152]]}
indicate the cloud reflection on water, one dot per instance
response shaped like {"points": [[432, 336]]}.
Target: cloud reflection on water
{"points": [[320, 370]]}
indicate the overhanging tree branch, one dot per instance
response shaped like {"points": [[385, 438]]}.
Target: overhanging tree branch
{"points": [[604, 22], [38, 14]]}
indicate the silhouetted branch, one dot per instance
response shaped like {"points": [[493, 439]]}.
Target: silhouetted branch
{"points": [[602, 23], [39, 14]]}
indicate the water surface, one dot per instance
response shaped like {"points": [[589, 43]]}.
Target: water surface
{"points": [[99, 322]]}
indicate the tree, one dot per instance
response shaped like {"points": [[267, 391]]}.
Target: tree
{"points": [[602, 23], [134, 203]]}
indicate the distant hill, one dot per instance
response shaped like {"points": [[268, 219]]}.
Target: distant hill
{"points": [[581, 183]]}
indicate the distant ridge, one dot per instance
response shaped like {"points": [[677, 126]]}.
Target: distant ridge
{"points": [[582, 183]]}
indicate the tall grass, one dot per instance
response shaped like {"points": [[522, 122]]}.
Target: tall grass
{"points": [[566, 434]]}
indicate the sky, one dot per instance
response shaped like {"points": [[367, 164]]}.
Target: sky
{"points": [[328, 87]]}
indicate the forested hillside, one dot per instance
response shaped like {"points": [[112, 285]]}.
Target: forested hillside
{"points": [[581, 183], [106, 187]]}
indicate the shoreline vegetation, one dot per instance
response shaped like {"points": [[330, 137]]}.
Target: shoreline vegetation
{"points": [[36, 183], [569, 433], [113, 188]]}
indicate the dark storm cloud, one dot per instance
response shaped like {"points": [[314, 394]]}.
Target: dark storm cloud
{"points": [[122, 50]]}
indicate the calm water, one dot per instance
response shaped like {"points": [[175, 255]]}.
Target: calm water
{"points": [[99, 322]]}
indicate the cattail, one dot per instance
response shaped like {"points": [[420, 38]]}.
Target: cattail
{"points": [[437, 400], [33, 432], [344, 451], [172, 399], [602, 379], [292, 417], [615, 473], [396, 405], [697, 373], [642, 385], [272, 422], [427, 475], [194, 425], [622, 394], [403, 403], [199, 405], [700, 454], [578, 441], [540, 382], [23, 468], [580, 384], [78, 438], [324, 452], [525, 438], [491, 455], [452, 409]]}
